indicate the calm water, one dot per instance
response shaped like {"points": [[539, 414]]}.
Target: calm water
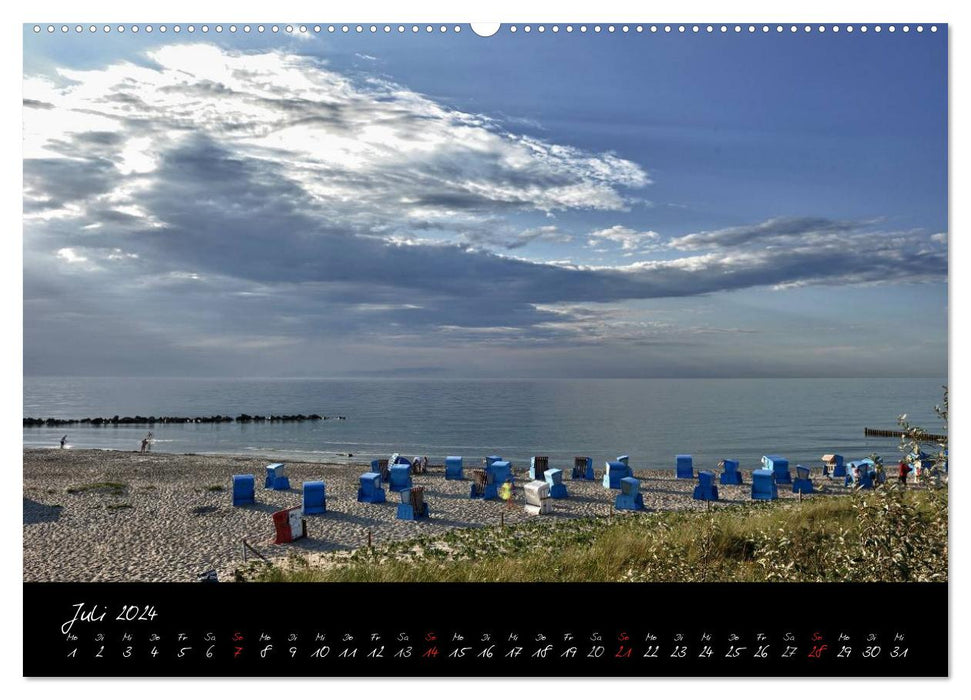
{"points": [[649, 419]]}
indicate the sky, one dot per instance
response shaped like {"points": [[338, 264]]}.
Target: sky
{"points": [[446, 205]]}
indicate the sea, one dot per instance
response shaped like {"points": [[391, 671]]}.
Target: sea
{"points": [[651, 420]]}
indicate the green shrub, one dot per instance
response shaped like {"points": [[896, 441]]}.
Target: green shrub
{"points": [[112, 488]]}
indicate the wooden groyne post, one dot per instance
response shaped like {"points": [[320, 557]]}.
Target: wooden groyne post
{"points": [[880, 432], [251, 548]]}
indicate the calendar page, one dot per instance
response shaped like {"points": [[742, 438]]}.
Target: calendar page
{"points": [[533, 350]]}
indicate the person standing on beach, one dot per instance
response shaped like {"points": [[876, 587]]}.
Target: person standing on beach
{"points": [[902, 470], [505, 494], [63, 441]]}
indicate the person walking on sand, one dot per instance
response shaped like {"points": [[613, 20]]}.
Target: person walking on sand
{"points": [[144, 444], [63, 441], [902, 470]]}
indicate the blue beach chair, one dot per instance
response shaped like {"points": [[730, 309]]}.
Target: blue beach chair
{"points": [[706, 489], [412, 506], [583, 469], [453, 469], [554, 477], [399, 477], [244, 489], [683, 467], [868, 472], [802, 482], [314, 497], [835, 463], [276, 479], [614, 473], [630, 497], [538, 467], [496, 474], [370, 490], [501, 471], [730, 473], [763, 485], [380, 466], [779, 466]]}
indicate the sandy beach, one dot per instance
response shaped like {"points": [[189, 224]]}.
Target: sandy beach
{"points": [[94, 515]]}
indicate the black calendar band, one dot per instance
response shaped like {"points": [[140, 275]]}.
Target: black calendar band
{"points": [[509, 629]]}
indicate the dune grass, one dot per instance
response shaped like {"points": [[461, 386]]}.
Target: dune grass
{"points": [[887, 535]]}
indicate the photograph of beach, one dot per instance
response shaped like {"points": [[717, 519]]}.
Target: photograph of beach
{"points": [[562, 306]]}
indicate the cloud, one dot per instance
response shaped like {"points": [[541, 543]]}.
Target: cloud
{"points": [[214, 204], [549, 234], [777, 230], [837, 253], [69, 255], [628, 238], [371, 150]]}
